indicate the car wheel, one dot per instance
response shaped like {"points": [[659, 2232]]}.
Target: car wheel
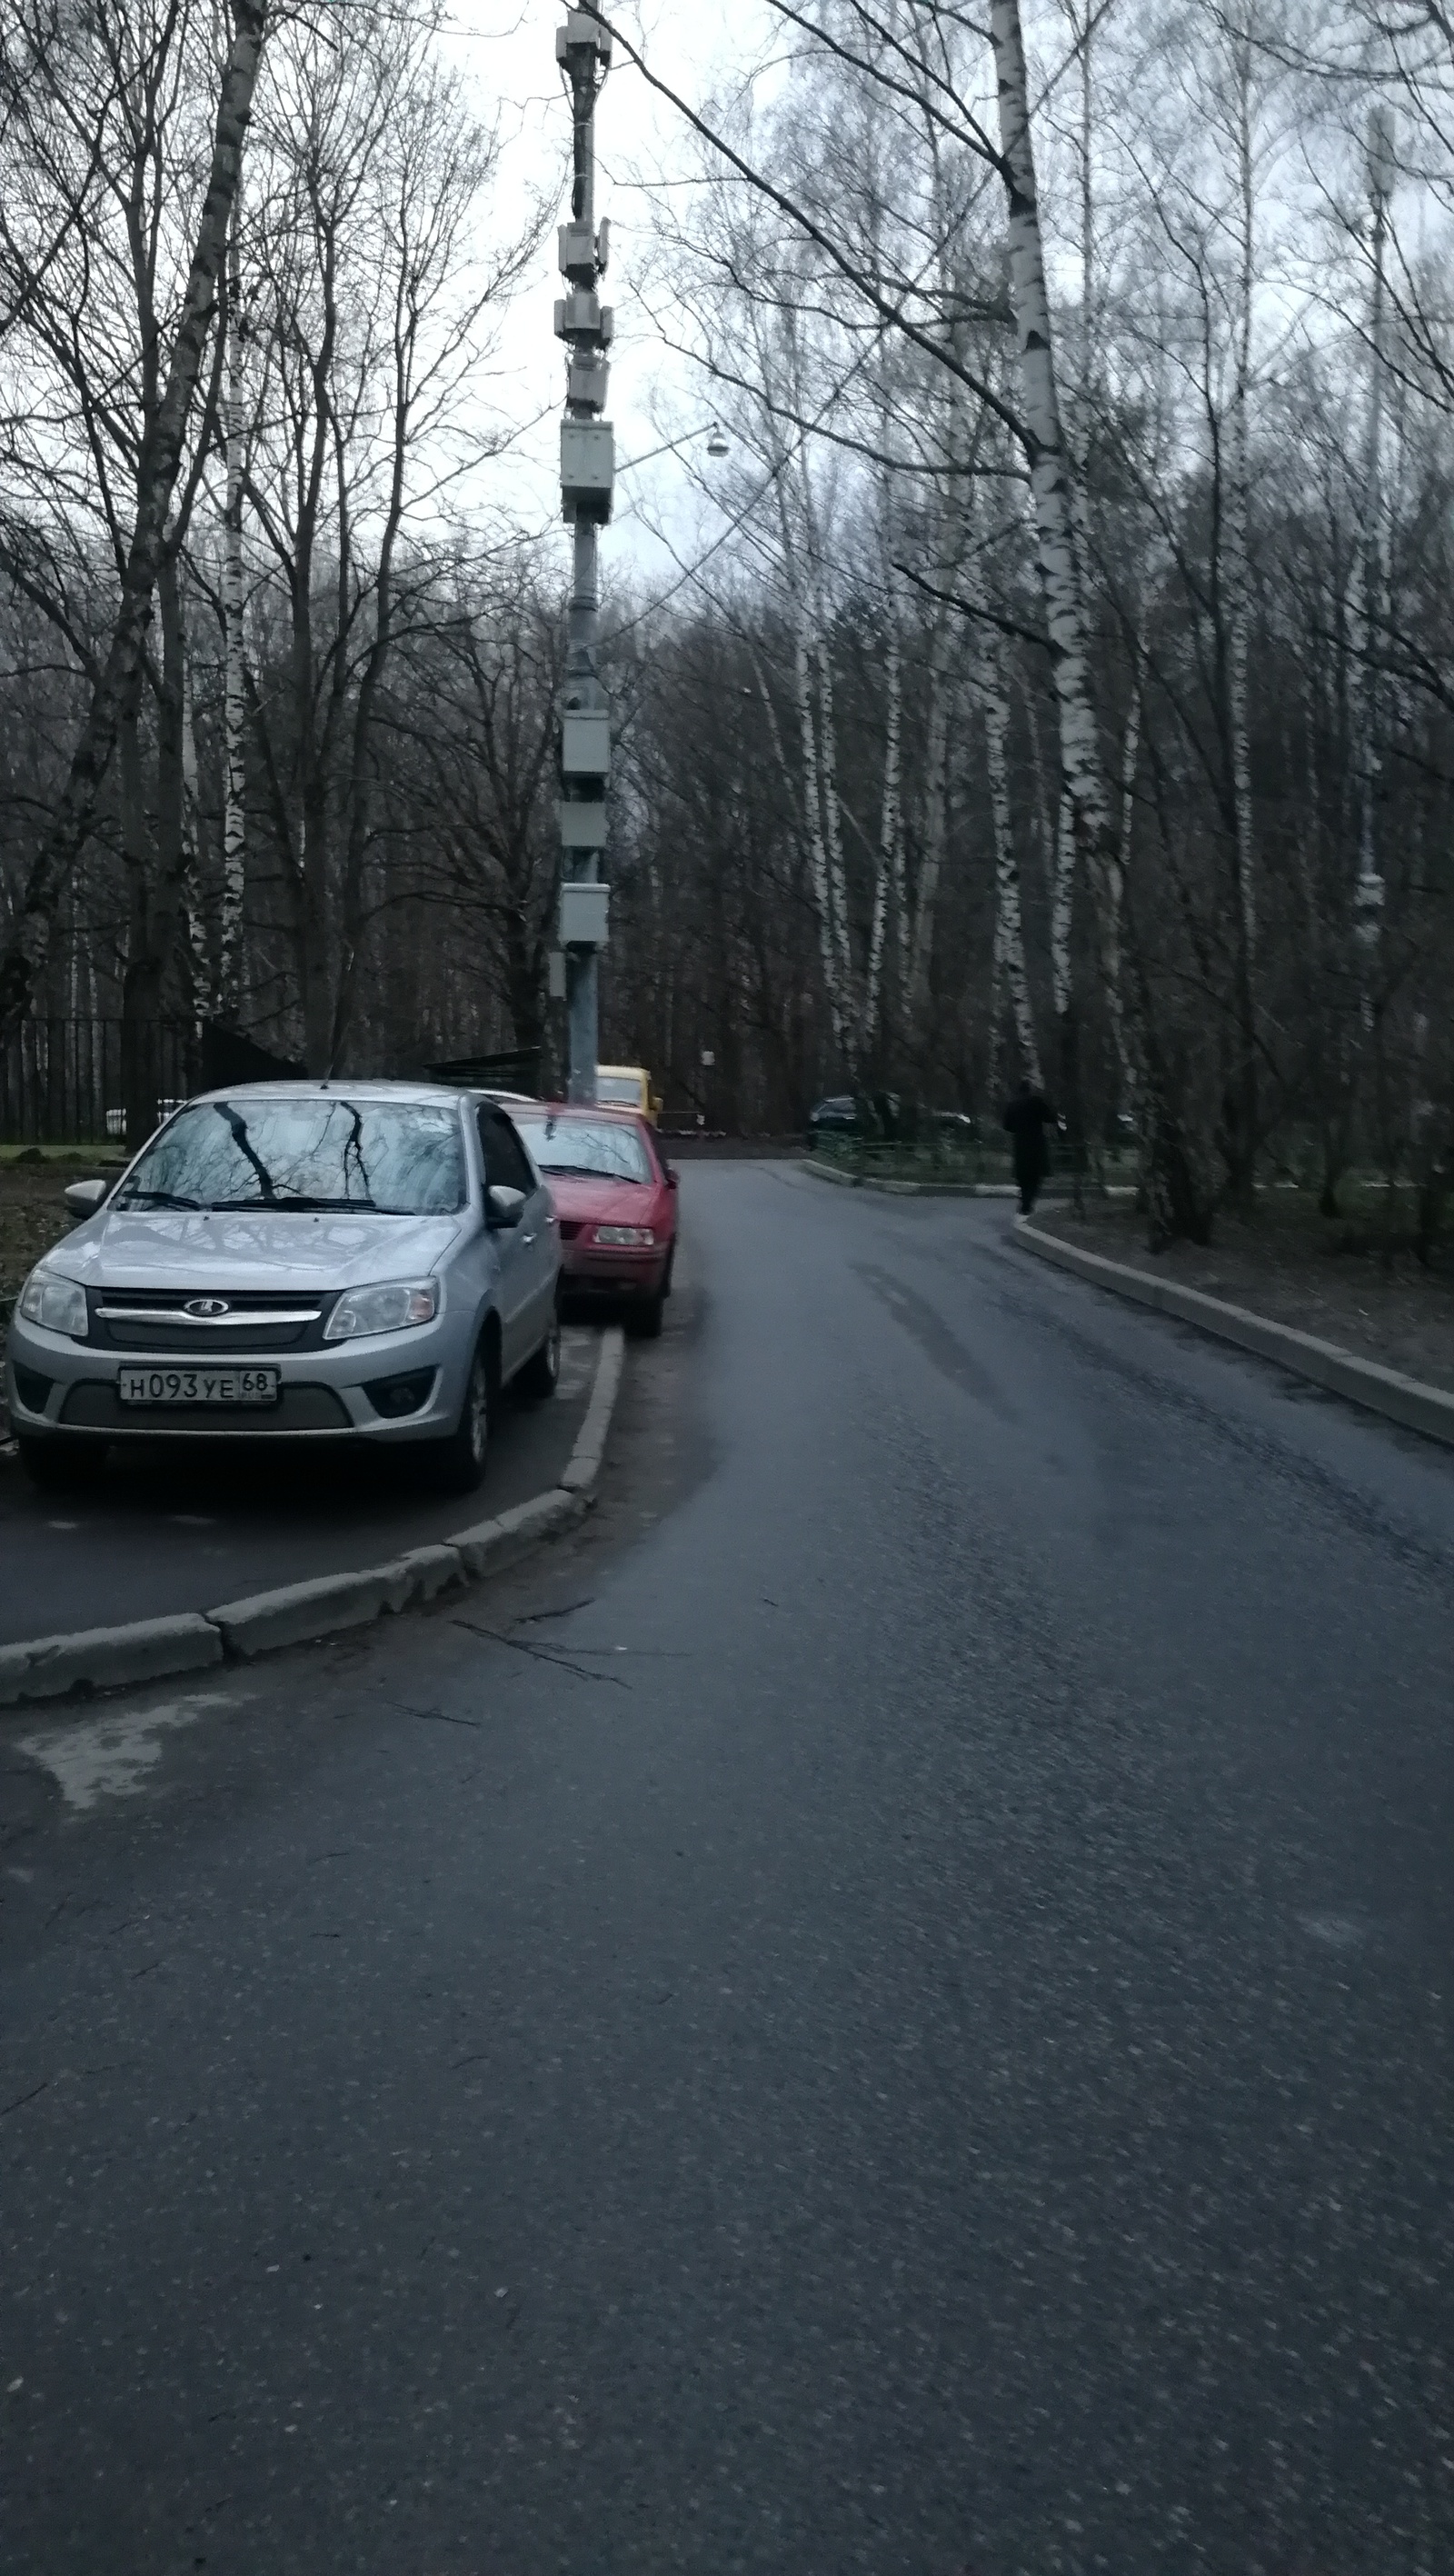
{"points": [[458, 1463], [644, 1320], [540, 1376], [61, 1466], [671, 1263]]}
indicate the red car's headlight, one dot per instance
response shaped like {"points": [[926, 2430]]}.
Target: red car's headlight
{"points": [[632, 1234]]}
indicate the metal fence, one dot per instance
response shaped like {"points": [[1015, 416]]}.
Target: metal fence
{"points": [[61, 1080]]}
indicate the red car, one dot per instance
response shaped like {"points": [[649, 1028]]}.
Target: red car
{"points": [[616, 1200]]}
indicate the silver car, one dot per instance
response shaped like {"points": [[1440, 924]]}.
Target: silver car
{"points": [[302, 1261]]}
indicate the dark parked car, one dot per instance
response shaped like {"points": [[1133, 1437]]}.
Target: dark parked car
{"points": [[836, 1117], [888, 1116]]}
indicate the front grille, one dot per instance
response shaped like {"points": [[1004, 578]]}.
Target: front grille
{"points": [[570, 1227], [258, 1320], [92, 1406]]}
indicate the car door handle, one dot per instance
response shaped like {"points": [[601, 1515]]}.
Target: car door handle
{"points": [[528, 1238]]}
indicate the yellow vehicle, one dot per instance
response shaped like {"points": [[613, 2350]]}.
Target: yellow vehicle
{"points": [[627, 1086]]}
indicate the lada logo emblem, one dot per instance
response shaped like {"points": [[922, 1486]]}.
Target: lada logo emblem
{"points": [[207, 1306]]}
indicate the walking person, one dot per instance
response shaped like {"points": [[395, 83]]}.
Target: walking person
{"points": [[1027, 1117]]}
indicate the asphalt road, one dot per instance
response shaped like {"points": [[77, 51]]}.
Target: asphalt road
{"points": [[885, 2008], [186, 1528]]}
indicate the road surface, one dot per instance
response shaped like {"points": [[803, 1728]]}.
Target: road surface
{"points": [[883, 2008], [188, 1527]]}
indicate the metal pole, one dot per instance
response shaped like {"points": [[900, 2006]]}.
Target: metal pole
{"points": [[582, 969], [583, 49]]}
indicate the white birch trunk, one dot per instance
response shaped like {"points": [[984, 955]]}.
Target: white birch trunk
{"points": [[1050, 471], [1062, 899], [234, 702], [901, 923], [1237, 653], [1008, 950], [1115, 890], [1369, 894], [936, 816], [1009, 928], [1238, 512], [889, 831], [833, 826], [997, 1004], [813, 826], [192, 844], [812, 679], [1043, 833], [817, 856], [832, 822]]}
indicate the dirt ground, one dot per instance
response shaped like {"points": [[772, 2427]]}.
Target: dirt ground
{"points": [[1324, 1275]]}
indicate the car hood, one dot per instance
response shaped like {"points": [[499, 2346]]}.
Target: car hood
{"points": [[605, 1202], [250, 1248]]}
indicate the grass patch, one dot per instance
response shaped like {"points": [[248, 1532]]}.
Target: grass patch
{"points": [[1354, 1279]]}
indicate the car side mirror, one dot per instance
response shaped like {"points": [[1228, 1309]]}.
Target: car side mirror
{"points": [[84, 1197], [503, 1206], [671, 1177]]}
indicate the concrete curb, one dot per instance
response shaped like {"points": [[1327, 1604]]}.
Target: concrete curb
{"points": [[1379, 1390], [585, 1463], [949, 1189], [144, 1650], [296, 1614], [503, 1541]]}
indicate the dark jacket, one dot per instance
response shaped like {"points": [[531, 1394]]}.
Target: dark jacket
{"points": [[1027, 1117]]}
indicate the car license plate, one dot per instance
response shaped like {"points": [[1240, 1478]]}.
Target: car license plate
{"points": [[198, 1386]]}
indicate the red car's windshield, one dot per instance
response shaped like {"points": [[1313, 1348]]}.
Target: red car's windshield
{"points": [[598, 1148]]}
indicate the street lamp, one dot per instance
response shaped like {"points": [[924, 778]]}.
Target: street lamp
{"points": [[718, 444]]}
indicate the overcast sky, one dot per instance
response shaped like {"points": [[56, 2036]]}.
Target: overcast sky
{"points": [[509, 54]]}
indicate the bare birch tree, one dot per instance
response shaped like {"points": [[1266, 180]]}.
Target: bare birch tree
{"points": [[47, 91]]}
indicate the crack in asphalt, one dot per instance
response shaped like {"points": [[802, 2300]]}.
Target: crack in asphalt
{"points": [[542, 1654]]}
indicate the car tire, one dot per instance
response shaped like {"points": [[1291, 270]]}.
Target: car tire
{"points": [[61, 1466], [644, 1320], [671, 1263], [540, 1376], [458, 1463]]}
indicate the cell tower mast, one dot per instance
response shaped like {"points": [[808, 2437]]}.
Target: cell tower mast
{"points": [[587, 477]]}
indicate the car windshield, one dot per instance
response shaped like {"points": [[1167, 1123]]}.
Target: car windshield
{"points": [[621, 1090], [600, 1147], [394, 1157]]}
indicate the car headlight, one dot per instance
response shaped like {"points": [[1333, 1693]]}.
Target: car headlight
{"points": [[624, 1234], [388, 1308], [57, 1304]]}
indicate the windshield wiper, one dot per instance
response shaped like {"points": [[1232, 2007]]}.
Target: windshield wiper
{"points": [[156, 1198], [301, 1199], [588, 1172]]}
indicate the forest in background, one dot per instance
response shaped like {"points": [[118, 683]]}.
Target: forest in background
{"points": [[1062, 684]]}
